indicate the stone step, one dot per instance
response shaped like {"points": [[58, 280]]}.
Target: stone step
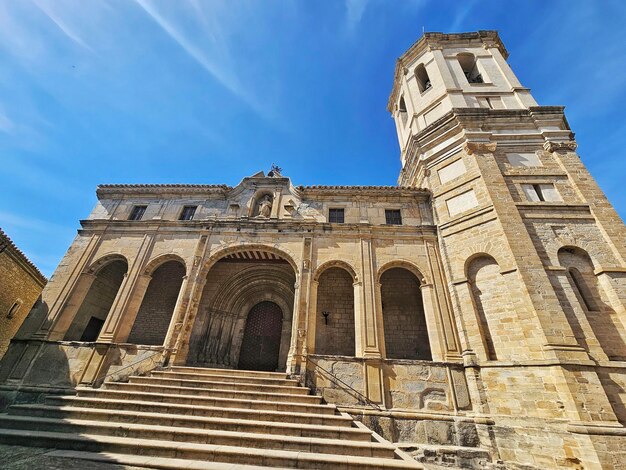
{"points": [[115, 460], [218, 385], [194, 451], [224, 378], [208, 392], [228, 372], [182, 399], [198, 422], [199, 436]]}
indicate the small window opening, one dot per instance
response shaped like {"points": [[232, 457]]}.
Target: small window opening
{"points": [[14, 308], [404, 114], [469, 64], [137, 212], [423, 81], [188, 213], [335, 216], [541, 192], [393, 217]]}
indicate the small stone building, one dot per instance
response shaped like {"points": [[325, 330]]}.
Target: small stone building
{"points": [[21, 284], [479, 303]]}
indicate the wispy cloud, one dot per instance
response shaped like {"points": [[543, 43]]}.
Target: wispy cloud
{"points": [[462, 15], [354, 13], [9, 219], [48, 10], [225, 76], [6, 125]]}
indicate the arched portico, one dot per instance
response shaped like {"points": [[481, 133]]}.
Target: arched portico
{"points": [[235, 284]]}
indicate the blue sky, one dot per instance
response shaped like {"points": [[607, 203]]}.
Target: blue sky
{"points": [[192, 91]]}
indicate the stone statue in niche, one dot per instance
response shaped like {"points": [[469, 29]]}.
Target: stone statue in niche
{"points": [[265, 206]]}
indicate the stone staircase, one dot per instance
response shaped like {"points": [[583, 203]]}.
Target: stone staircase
{"points": [[184, 417]]}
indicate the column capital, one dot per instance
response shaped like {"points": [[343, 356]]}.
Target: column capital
{"points": [[551, 147], [472, 148]]}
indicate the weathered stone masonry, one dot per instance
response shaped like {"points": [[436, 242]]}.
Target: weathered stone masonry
{"points": [[491, 315]]}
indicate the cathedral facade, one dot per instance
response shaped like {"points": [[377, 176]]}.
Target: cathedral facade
{"points": [[479, 304]]}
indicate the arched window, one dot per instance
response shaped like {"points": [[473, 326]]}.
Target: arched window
{"points": [[404, 322], [157, 306], [334, 329], [469, 64], [423, 81], [94, 310], [402, 110], [595, 317]]}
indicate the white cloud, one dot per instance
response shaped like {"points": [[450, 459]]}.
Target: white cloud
{"points": [[354, 12], [6, 125], [217, 66], [48, 9]]}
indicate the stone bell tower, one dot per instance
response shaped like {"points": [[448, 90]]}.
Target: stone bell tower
{"points": [[534, 253]]}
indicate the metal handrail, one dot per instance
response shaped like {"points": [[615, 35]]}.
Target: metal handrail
{"points": [[98, 379], [362, 398]]}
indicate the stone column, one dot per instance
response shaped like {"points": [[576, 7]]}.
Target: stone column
{"points": [[437, 349], [115, 316], [370, 339], [311, 320], [65, 316], [301, 306], [177, 315], [132, 308], [368, 321], [178, 344], [442, 306], [65, 295]]}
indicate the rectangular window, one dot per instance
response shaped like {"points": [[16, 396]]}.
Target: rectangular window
{"points": [[541, 192], [335, 216], [137, 212], [393, 217], [188, 213]]}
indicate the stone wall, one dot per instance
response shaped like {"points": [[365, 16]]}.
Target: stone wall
{"points": [[406, 335], [20, 285], [157, 307], [335, 295]]}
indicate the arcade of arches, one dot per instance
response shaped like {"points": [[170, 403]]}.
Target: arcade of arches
{"points": [[245, 316]]}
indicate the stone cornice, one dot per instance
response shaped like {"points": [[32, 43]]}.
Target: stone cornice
{"points": [[208, 190], [7, 246], [384, 191], [111, 190], [287, 227], [432, 41]]}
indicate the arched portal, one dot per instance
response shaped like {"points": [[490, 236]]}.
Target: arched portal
{"points": [[92, 314], [261, 338], [236, 284]]}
